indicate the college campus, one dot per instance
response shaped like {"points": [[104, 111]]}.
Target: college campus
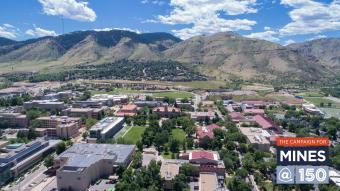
{"points": [[192, 139], [170, 95]]}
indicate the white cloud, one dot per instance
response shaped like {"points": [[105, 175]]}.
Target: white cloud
{"points": [[266, 28], [311, 17], [117, 28], [8, 25], [70, 9], [8, 31], [266, 35], [155, 2], [287, 42], [318, 37], [204, 16], [39, 32]]}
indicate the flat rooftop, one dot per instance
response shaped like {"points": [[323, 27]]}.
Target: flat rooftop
{"points": [[82, 155], [208, 182], [106, 124], [255, 135]]}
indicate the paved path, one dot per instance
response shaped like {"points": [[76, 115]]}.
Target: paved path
{"points": [[333, 99]]}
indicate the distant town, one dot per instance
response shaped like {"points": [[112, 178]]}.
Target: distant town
{"points": [[146, 135]]}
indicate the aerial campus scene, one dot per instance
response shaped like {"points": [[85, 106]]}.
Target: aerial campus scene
{"points": [[169, 95]]}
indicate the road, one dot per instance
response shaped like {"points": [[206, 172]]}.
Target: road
{"points": [[29, 179], [220, 114]]}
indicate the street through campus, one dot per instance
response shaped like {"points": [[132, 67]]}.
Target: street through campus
{"points": [[29, 180]]}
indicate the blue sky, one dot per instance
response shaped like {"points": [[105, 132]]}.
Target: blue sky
{"points": [[281, 21]]}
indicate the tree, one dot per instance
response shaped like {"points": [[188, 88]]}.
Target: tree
{"points": [[189, 170], [33, 113], [137, 160], [49, 161], [60, 147], [174, 145], [180, 183], [84, 135], [90, 122], [85, 96], [205, 142]]}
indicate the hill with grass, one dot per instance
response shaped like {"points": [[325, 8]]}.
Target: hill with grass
{"points": [[219, 56]]}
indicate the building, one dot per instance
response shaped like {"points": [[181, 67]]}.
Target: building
{"points": [[106, 128], [206, 131], [238, 117], [58, 95], [87, 104], [167, 111], [14, 120], [82, 164], [256, 137], [200, 116], [253, 111], [110, 100], [253, 104], [45, 105], [59, 126], [334, 176], [96, 113], [169, 170], [208, 182], [206, 161], [266, 123], [18, 159], [188, 106], [151, 104], [127, 110], [312, 109]]}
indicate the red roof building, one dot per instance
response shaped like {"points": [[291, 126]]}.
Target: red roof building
{"points": [[166, 111], [203, 157], [267, 123], [253, 111], [206, 131], [254, 102], [127, 110]]}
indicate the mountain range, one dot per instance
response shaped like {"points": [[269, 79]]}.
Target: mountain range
{"points": [[220, 56]]}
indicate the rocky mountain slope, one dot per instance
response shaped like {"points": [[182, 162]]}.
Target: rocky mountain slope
{"points": [[326, 51], [221, 56]]}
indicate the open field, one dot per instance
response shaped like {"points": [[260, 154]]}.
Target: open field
{"points": [[318, 100], [258, 87], [174, 94], [134, 134], [178, 134], [208, 85], [117, 91], [331, 112], [310, 94]]}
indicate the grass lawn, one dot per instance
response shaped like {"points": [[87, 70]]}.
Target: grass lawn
{"points": [[117, 91], [331, 112], [178, 134], [310, 94], [174, 94], [318, 100], [134, 134], [168, 155], [203, 84]]}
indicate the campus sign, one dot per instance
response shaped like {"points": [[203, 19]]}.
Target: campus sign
{"points": [[302, 160]]}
